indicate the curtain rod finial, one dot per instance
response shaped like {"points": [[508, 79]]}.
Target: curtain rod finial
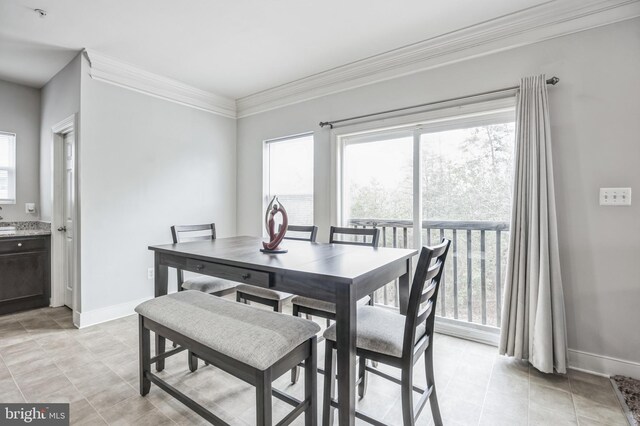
{"points": [[326, 123], [553, 80]]}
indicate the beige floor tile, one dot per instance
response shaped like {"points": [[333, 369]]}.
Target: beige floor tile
{"points": [[491, 417], [556, 381], [506, 403], [91, 420], [108, 397], [610, 415], [539, 416], [551, 399], [598, 393], [80, 410], [9, 392], [128, 411], [154, 418], [517, 385]]}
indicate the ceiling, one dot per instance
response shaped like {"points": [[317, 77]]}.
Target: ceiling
{"points": [[232, 48]]}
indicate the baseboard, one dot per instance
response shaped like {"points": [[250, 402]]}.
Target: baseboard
{"points": [[602, 365], [97, 316]]}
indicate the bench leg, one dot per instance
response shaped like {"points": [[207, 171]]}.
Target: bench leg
{"points": [[264, 415], [144, 356], [311, 384], [193, 362]]}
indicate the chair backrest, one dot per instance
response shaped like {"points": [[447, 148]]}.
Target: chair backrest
{"points": [[311, 232], [424, 295], [186, 233], [370, 234]]}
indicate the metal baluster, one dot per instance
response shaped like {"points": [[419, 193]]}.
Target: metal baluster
{"points": [[483, 283], [469, 279], [428, 236], [405, 233], [443, 293], [498, 278], [384, 236], [395, 237], [455, 274]]}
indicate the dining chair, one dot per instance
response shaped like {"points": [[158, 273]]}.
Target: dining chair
{"points": [[204, 283], [264, 296], [327, 310], [396, 340]]}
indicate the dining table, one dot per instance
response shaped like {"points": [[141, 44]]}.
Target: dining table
{"points": [[337, 273]]}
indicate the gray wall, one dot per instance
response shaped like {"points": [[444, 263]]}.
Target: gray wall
{"points": [[20, 114], [595, 130], [145, 164], [60, 99]]}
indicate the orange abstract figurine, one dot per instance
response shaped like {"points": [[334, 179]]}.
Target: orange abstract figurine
{"points": [[275, 239]]}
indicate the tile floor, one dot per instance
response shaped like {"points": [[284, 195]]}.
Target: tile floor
{"points": [[43, 358]]}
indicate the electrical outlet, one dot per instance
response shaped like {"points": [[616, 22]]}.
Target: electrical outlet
{"points": [[150, 273], [615, 196]]}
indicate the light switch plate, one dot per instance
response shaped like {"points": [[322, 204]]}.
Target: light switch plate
{"points": [[30, 208], [615, 196]]}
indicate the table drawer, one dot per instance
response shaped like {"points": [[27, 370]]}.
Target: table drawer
{"points": [[242, 275], [22, 245]]}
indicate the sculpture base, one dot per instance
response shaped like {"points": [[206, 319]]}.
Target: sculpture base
{"points": [[274, 251]]}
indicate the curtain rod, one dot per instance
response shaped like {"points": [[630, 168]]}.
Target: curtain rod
{"points": [[553, 81]]}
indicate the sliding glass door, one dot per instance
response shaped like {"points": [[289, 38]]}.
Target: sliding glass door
{"points": [[447, 178]]}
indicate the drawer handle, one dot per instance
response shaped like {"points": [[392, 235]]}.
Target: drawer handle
{"points": [[246, 276], [19, 244], [199, 267]]}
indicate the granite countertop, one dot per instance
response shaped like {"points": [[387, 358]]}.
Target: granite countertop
{"points": [[25, 229]]}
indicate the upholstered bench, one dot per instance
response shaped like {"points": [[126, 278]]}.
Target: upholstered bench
{"points": [[254, 345]]}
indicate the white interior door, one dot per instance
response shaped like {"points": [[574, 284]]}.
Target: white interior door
{"points": [[68, 222]]}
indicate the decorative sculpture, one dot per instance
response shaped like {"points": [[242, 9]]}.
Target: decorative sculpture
{"points": [[273, 246]]}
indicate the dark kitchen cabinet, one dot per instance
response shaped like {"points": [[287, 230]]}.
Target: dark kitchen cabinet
{"points": [[25, 273]]}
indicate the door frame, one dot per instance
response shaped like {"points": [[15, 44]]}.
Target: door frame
{"points": [[58, 131]]}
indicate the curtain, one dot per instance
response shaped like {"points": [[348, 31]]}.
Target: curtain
{"points": [[533, 317]]}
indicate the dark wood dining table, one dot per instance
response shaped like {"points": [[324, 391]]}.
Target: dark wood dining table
{"points": [[336, 273]]}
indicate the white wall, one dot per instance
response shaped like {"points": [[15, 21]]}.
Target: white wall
{"points": [[20, 114], [60, 99], [145, 164], [595, 128]]}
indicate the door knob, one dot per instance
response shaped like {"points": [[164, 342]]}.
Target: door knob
{"points": [[62, 229]]}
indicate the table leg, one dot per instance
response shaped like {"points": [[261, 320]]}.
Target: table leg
{"points": [[404, 287], [161, 283], [346, 354]]}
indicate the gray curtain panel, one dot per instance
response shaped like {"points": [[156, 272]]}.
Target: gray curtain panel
{"points": [[533, 315]]}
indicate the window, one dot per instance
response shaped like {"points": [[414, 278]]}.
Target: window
{"points": [[289, 175], [7, 168], [448, 176]]}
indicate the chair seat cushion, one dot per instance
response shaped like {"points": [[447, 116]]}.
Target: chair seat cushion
{"points": [[263, 292], [250, 335], [321, 305], [379, 330], [208, 284]]}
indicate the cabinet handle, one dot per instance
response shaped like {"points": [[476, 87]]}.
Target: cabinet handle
{"points": [[246, 276], [199, 267], [19, 244]]}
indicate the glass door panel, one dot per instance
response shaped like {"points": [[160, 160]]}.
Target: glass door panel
{"points": [[377, 191], [466, 197]]}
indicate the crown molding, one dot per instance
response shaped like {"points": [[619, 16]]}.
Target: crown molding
{"points": [[549, 20], [114, 71]]}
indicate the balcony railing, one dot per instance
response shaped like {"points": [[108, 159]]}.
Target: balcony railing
{"points": [[471, 289]]}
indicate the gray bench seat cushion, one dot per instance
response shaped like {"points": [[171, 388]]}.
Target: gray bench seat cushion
{"points": [[379, 330], [263, 292], [321, 305], [208, 284], [250, 335]]}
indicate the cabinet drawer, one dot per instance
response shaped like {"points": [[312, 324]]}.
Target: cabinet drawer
{"points": [[22, 245], [232, 273]]}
